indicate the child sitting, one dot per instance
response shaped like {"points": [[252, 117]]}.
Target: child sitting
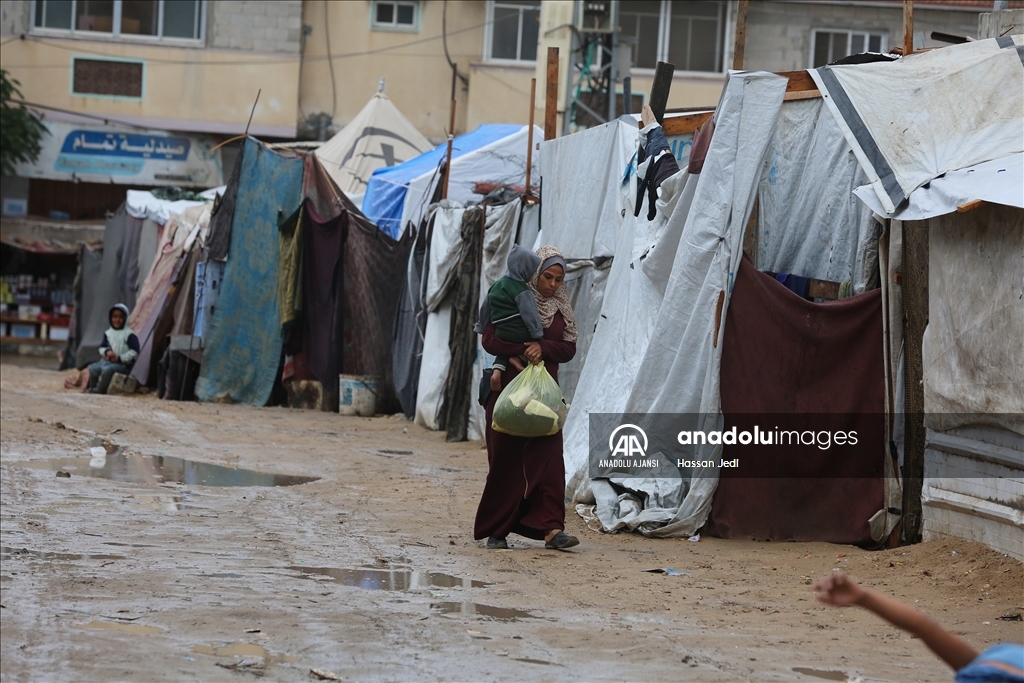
{"points": [[512, 307], [118, 351]]}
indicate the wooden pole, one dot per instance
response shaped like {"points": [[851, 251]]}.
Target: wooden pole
{"points": [[551, 96], [451, 136], [660, 89], [908, 27], [741, 35], [915, 311], [529, 134]]}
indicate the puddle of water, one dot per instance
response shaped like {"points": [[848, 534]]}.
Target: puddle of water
{"points": [[163, 469], [822, 674], [389, 579], [137, 629], [39, 555], [241, 650], [486, 611]]}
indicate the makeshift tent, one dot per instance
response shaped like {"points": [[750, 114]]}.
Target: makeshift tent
{"points": [[242, 351], [937, 176], [379, 136], [658, 338], [307, 280], [459, 270], [351, 284], [496, 153]]}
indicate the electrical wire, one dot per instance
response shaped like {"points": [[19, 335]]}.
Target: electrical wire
{"points": [[104, 119], [444, 39]]}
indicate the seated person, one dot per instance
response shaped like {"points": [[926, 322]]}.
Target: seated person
{"points": [[512, 307], [118, 351]]}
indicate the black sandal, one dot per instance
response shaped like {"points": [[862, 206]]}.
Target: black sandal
{"points": [[495, 543], [561, 541]]}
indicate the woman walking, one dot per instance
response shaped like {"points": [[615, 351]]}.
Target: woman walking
{"points": [[525, 489]]}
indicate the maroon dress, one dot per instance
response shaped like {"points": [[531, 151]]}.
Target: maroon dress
{"points": [[525, 489]]}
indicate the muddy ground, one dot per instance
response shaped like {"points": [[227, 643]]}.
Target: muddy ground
{"points": [[371, 572]]}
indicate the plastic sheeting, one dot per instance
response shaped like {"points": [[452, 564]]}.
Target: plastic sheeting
{"points": [[583, 176], [400, 194], [680, 368], [142, 204], [1000, 181], [445, 255], [243, 343], [101, 289], [930, 113], [410, 326], [379, 136], [808, 222], [973, 357]]}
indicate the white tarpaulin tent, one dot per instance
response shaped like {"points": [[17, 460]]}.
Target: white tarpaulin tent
{"points": [[670, 321], [378, 136], [964, 125], [446, 247], [964, 109], [493, 153]]}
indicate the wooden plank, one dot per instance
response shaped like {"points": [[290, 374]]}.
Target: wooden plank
{"points": [[823, 289], [686, 124], [741, 35], [451, 136], [798, 80], [801, 95], [750, 232], [529, 132], [915, 307], [970, 206], [660, 89], [551, 96]]}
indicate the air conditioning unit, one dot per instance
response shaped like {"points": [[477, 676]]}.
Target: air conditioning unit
{"points": [[598, 16]]}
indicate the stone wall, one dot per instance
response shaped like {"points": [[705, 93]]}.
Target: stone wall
{"points": [[259, 26], [14, 17]]}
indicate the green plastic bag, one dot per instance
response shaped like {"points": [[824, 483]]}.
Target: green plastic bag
{"points": [[531, 405]]}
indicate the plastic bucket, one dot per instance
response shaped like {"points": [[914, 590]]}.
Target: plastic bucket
{"points": [[357, 394]]}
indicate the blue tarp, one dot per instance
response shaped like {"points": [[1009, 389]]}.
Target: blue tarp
{"points": [[385, 193], [243, 340]]}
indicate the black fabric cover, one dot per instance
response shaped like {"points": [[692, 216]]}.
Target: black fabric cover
{"points": [[453, 416], [219, 243]]}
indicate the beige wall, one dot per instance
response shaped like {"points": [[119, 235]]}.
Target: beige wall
{"points": [[199, 96], [417, 77]]}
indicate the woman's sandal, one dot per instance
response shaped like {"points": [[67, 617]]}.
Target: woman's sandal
{"points": [[561, 541], [495, 543]]}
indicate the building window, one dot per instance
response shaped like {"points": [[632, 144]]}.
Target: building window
{"points": [[108, 77], [829, 45], [513, 29], [128, 18], [402, 15], [688, 33]]}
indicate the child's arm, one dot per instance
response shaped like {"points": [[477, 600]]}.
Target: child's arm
{"points": [[104, 347], [526, 302], [840, 590], [133, 350], [484, 317]]}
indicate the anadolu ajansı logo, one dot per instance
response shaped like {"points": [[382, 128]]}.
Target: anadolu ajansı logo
{"points": [[628, 443]]}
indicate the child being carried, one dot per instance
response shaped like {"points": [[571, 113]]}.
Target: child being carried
{"points": [[512, 307]]}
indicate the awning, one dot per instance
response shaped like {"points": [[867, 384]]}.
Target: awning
{"points": [[44, 236], [126, 156]]}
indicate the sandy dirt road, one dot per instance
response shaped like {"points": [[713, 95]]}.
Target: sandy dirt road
{"points": [[370, 572]]}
